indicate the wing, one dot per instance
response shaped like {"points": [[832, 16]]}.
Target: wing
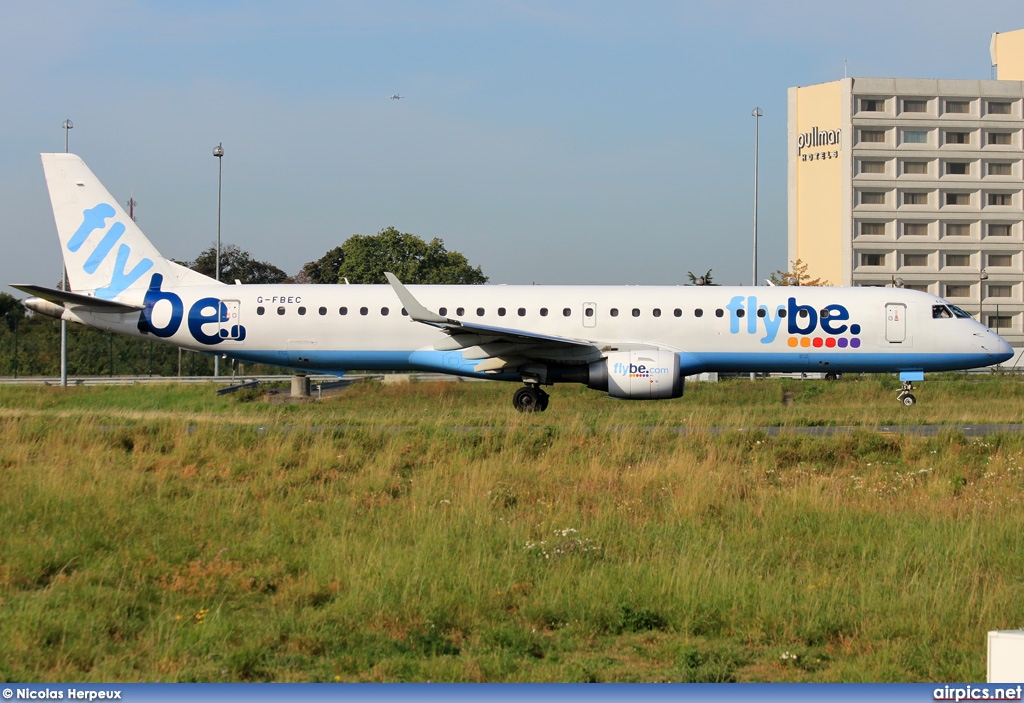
{"points": [[499, 348]]}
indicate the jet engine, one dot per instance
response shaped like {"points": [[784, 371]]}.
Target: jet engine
{"points": [[638, 375]]}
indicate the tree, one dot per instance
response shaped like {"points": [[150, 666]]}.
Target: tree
{"points": [[236, 264], [797, 276], [11, 310], [323, 270], [704, 280], [365, 258]]}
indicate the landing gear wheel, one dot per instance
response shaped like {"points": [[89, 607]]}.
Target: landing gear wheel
{"points": [[529, 399], [831, 376], [906, 397]]}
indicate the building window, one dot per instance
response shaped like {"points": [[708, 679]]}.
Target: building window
{"points": [[915, 229], [1000, 169], [872, 198], [1000, 291], [872, 259], [1000, 259], [1000, 138], [998, 322], [923, 287], [958, 290], [915, 198], [958, 198], [915, 168], [958, 229], [872, 228], [915, 106], [958, 259], [958, 107], [958, 168], [915, 259], [958, 137], [872, 105], [998, 108], [1000, 199], [872, 167], [872, 136], [999, 230], [915, 136]]}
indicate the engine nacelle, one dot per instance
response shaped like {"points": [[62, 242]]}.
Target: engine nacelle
{"points": [[638, 375], [43, 307]]}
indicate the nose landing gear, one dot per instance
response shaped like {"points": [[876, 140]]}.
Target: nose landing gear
{"points": [[530, 399], [905, 396]]}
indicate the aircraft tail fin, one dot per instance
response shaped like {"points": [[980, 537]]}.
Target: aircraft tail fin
{"points": [[106, 254]]}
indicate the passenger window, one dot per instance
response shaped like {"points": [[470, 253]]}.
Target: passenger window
{"points": [[302, 310], [384, 312], [761, 312], [589, 312], [698, 313], [343, 311], [636, 312], [677, 312], [459, 312], [479, 312], [543, 312], [280, 310], [782, 312], [566, 312], [614, 312], [443, 312], [501, 312], [322, 311], [803, 313], [824, 313], [719, 312], [656, 312], [364, 311], [741, 312], [260, 310], [521, 312], [405, 313]]}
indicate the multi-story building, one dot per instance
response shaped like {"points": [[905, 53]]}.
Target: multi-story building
{"points": [[916, 181]]}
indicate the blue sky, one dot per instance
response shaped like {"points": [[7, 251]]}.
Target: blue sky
{"points": [[550, 142]]}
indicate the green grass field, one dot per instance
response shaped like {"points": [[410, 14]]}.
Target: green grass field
{"points": [[430, 532]]}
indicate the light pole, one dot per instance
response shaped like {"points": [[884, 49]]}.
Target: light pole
{"points": [[218, 151], [68, 126], [757, 114], [982, 277]]}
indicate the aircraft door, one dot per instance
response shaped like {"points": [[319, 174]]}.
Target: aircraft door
{"points": [[589, 314], [230, 322], [895, 322]]}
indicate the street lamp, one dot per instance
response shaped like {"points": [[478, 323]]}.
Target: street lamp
{"points": [[67, 126], [757, 114], [982, 277], [218, 151]]}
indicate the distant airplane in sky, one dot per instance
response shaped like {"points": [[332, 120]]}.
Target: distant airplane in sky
{"points": [[396, 96], [633, 342]]}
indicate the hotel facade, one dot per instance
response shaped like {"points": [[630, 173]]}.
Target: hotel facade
{"points": [[918, 182]]}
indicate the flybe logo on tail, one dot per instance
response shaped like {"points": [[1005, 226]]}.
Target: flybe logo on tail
{"points": [[830, 327], [96, 218]]}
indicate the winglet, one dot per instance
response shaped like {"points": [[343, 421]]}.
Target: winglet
{"points": [[416, 311]]}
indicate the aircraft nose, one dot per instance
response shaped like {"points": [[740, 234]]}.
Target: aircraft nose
{"points": [[997, 346]]}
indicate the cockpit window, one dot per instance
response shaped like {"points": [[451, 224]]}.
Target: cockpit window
{"points": [[940, 312], [957, 312]]}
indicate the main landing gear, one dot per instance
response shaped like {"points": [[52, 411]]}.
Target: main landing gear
{"points": [[530, 399], [905, 396]]}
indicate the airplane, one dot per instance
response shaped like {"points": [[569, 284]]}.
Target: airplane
{"points": [[396, 96], [633, 342]]}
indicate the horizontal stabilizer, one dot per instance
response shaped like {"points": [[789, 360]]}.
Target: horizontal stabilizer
{"points": [[63, 297]]}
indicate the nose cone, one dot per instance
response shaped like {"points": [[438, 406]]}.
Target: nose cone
{"points": [[997, 347]]}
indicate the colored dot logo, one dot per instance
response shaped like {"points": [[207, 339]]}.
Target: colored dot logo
{"points": [[827, 342]]}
